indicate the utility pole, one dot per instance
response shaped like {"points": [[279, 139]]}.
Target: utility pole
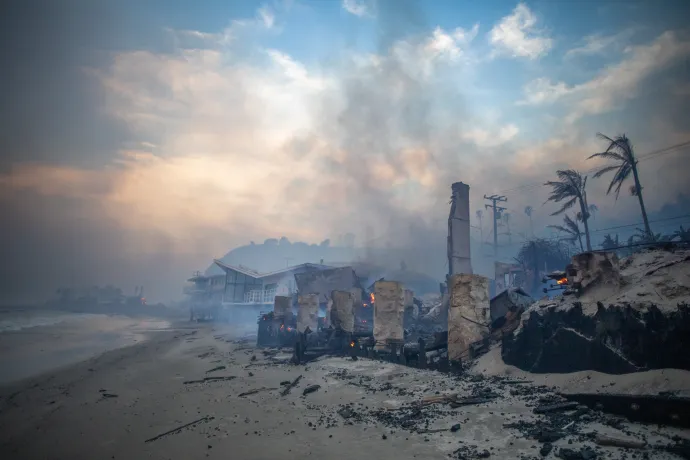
{"points": [[496, 210]]}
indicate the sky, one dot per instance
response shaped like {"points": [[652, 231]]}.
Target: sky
{"points": [[141, 139]]}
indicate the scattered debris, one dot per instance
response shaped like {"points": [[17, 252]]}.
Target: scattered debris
{"points": [[665, 410]]}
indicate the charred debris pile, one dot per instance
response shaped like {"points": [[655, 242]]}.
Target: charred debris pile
{"points": [[614, 316]]}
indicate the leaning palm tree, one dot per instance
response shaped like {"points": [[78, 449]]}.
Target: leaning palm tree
{"points": [[571, 188], [621, 150], [572, 229], [528, 211]]}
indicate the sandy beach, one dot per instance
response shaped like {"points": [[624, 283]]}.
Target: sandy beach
{"points": [[118, 404]]}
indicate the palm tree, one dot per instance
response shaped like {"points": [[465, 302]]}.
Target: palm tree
{"points": [[571, 187], [572, 228], [528, 211], [480, 214], [621, 150]]}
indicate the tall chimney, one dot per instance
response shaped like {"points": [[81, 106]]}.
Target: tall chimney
{"points": [[459, 259]]}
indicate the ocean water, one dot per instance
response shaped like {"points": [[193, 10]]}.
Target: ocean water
{"points": [[16, 320], [33, 341]]}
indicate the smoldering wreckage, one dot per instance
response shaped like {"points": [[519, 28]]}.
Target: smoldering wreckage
{"points": [[615, 316]]}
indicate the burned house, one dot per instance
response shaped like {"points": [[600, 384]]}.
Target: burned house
{"points": [[228, 287]]}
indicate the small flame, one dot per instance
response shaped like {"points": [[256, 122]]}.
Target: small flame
{"points": [[352, 344], [373, 297], [365, 305], [562, 281]]}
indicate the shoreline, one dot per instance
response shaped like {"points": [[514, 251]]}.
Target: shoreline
{"points": [[32, 350]]}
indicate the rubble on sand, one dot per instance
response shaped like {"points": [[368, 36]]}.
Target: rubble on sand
{"points": [[622, 316]]}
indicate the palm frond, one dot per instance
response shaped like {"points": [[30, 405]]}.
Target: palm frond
{"points": [[567, 205], [604, 170], [572, 225]]}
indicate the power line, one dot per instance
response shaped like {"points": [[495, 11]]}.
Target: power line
{"points": [[617, 227], [644, 157]]}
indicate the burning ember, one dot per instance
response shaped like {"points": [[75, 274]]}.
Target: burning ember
{"points": [[562, 281], [373, 297]]}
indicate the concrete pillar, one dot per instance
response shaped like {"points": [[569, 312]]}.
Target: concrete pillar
{"points": [[282, 307], [307, 312], [468, 311], [342, 313], [389, 309]]}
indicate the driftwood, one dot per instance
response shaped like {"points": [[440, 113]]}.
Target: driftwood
{"points": [[255, 391], [615, 442], [290, 386], [155, 438]]}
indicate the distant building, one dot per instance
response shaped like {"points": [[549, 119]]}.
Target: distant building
{"points": [[240, 285]]}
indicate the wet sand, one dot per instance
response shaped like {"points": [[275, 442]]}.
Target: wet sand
{"points": [[109, 406], [33, 350]]}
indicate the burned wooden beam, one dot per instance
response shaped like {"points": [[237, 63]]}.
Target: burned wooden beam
{"points": [[174, 430], [290, 386], [663, 410]]}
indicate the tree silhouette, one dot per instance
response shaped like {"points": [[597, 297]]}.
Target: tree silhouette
{"points": [[571, 188], [572, 229], [609, 242], [620, 149]]}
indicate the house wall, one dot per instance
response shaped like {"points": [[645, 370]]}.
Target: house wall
{"points": [[238, 284]]}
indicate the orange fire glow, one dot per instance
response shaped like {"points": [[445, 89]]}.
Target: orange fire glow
{"points": [[373, 297], [562, 281], [352, 344]]}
